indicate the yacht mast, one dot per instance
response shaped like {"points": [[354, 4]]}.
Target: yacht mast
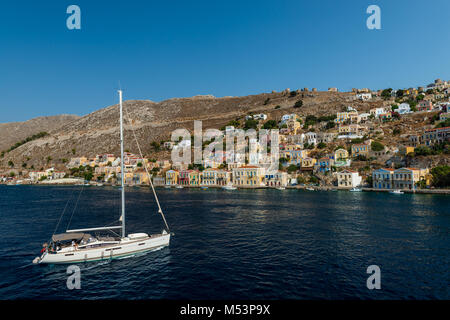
{"points": [[122, 171]]}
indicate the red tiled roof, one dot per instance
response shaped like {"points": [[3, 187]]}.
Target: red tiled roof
{"points": [[437, 129]]}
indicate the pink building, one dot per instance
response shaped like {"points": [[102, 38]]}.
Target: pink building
{"points": [[425, 105]]}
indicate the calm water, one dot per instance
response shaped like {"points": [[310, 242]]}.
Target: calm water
{"points": [[249, 244]]}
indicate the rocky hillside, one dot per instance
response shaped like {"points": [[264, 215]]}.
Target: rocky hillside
{"points": [[98, 132], [14, 132]]}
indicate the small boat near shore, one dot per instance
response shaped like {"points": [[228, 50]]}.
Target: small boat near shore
{"points": [[397, 191], [355, 190], [310, 189], [179, 187], [281, 188], [229, 187]]}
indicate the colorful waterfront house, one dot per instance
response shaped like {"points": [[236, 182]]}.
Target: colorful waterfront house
{"points": [[407, 178], [425, 105], [183, 177], [158, 181], [348, 179], [172, 177], [277, 179], [324, 165], [248, 176], [209, 177], [223, 177], [341, 158], [308, 163], [129, 177], [194, 178], [382, 178], [360, 149], [140, 177]]}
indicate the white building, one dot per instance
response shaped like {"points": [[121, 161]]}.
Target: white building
{"points": [[364, 96], [348, 179], [229, 129], [363, 117], [377, 112], [404, 108], [311, 138], [260, 116], [287, 117]]}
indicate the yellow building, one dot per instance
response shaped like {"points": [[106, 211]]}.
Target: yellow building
{"points": [[293, 125], [308, 162], [223, 177], [407, 178], [404, 150], [292, 147], [140, 177], [209, 177], [352, 129], [341, 155], [194, 178], [172, 177], [248, 176], [342, 117], [360, 149]]}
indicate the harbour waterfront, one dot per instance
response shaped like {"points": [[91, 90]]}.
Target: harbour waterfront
{"points": [[250, 244]]}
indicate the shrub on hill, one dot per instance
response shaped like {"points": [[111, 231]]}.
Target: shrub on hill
{"points": [[377, 146], [441, 176]]}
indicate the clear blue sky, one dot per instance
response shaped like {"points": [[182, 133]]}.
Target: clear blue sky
{"points": [[164, 49]]}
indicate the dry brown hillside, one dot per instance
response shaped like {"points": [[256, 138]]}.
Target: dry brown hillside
{"points": [[13, 132], [98, 132]]}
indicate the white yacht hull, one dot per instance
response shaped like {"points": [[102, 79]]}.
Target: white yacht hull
{"points": [[123, 248]]}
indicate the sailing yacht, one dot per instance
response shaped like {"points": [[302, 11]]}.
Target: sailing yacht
{"points": [[78, 245]]}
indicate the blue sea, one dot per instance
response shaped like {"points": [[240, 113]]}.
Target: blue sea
{"points": [[245, 244]]}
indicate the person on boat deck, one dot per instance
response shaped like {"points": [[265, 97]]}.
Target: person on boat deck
{"points": [[44, 248]]}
